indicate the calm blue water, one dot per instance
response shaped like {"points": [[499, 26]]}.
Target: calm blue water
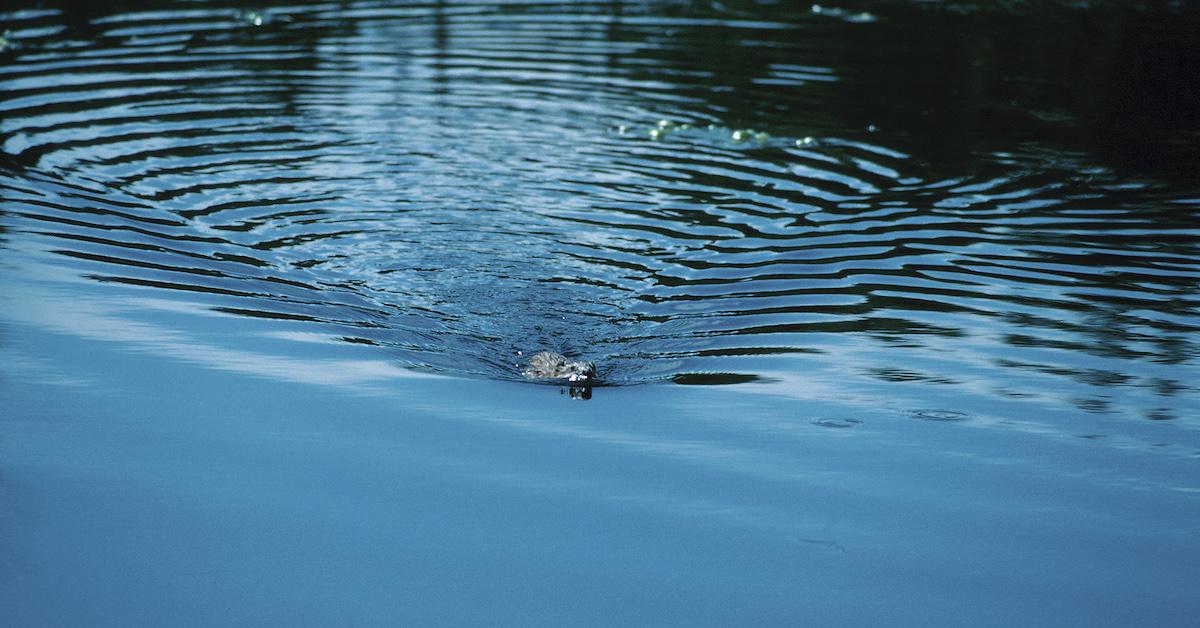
{"points": [[894, 307]]}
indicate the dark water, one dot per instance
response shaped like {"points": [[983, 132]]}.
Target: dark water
{"points": [[969, 215], [457, 183]]}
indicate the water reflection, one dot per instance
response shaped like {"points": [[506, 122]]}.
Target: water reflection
{"points": [[124, 323], [920, 208]]}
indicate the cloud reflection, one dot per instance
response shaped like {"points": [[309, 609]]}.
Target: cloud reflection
{"points": [[104, 320]]}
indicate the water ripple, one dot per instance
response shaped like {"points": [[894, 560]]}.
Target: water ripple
{"points": [[456, 185]]}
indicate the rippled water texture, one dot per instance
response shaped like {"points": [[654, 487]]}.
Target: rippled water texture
{"points": [[894, 308], [709, 194]]}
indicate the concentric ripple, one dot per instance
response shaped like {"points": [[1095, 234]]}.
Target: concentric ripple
{"points": [[454, 184]]}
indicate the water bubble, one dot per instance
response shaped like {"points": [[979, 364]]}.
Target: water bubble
{"points": [[939, 415], [837, 423], [806, 141]]}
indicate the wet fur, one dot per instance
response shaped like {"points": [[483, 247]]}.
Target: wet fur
{"points": [[551, 365]]}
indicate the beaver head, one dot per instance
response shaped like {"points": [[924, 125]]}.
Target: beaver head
{"points": [[551, 365]]}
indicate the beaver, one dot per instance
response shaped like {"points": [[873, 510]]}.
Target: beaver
{"points": [[551, 365]]}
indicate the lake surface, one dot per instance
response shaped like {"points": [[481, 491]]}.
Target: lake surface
{"points": [[895, 308]]}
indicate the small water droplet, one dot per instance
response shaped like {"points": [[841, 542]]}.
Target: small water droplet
{"points": [[253, 18]]}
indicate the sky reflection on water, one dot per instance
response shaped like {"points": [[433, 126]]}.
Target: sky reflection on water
{"points": [[894, 305]]}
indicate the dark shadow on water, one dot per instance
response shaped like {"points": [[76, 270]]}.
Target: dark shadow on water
{"points": [[718, 379]]}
